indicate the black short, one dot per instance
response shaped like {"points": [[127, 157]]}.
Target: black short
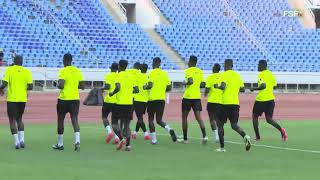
{"points": [[195, 104], [156, 107], [122, 112], [266, 107], [15, 109], [68, 106], [230, 112], [214, 108], [107, 109], [140, 107]]}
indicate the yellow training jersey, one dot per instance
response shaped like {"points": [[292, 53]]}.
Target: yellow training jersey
{"points": [[110, 79], [268, 78], [72, 76], [234, 82], [125, 95], [142, 96], [134, 73], [193, 91], [160, 80], [215, 94], [18, 79]]}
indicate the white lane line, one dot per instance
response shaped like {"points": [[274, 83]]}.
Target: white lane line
{"points": [[241, 143]]}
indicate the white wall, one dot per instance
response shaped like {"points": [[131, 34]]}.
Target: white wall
{"points": [[178, 75], [147, 15]]}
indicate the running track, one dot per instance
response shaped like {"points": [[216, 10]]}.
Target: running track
{"points": [[41, 108]]}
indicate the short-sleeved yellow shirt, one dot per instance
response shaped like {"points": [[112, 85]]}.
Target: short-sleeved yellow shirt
{"points": [[134, 73], [110, 79], [193, 91], [234, 82], [18, 78], [268, 78], [72, 76], [215, 95], [160, 80], [142, 96], [127, 83]]}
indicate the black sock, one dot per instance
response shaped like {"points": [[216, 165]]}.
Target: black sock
{"points": [[138, 126], [213, 128], [143, 127], [185, 134], [204, 134]]}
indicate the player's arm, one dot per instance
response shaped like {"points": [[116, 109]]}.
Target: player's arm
{"points": [[189, 81], [61, 83], [81, 85], [30, 87], [4, 84], [221, 87], [116, 90], [262, 86], [169, 88], [30, 82], [135, 89], [206, 92], [203, 85], [5, 81], [242, 89], [148, 86], [107, 86]]}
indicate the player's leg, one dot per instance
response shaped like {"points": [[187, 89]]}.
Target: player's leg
{"points": [[138, 124], [122, 115], [197, 108], [151, 109], [115, 121], [126, 126], [12, 115], [143, 125], [269, 117], [213, 121], [127, 133], [233, 115], [21, 107], [105, 111], [160, 122], [140, 109], [220, 125], [61, 113], [75, 123], [222, 119], [256, 112], [186, 107], [107, 108]]}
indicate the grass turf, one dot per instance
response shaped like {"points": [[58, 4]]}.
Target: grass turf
{"points": [[166, 160]]}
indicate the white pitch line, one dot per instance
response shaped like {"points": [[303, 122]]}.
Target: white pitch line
{"points": [[239, 143]]}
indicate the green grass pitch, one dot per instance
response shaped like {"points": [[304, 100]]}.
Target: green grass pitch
{"points": [[165, 161]]}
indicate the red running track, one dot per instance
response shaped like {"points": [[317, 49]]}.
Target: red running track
{"points": [[41, 108]]}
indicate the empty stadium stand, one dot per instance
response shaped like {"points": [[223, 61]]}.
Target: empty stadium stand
{"points": [[207, 28], [42, 32]]}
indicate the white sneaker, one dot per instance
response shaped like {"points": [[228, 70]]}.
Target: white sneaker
{"points": [[182, 141], [205, 140], [220, 150], [154, 142], [247, 142]]}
